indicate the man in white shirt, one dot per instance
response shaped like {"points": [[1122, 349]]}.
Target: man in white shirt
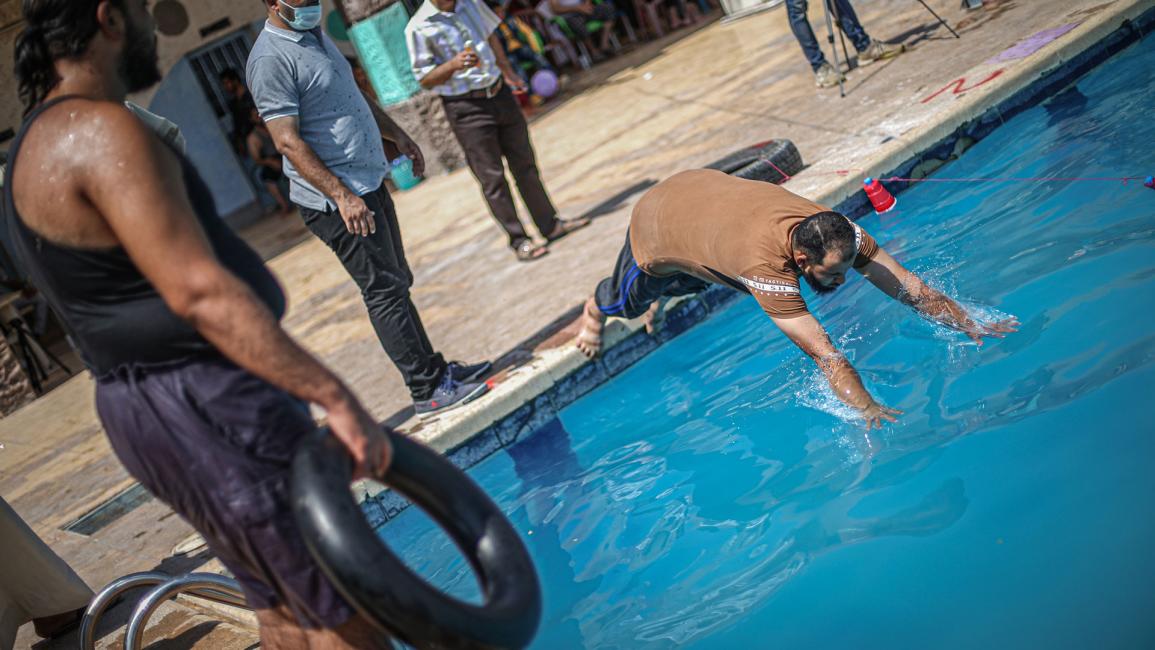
{"points": [[455, 52]]}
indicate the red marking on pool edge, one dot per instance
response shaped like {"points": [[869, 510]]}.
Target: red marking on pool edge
{"points": [[837, 172], [958, 86]]}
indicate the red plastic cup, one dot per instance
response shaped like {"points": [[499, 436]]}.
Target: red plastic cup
{"points": [[880, 197]]}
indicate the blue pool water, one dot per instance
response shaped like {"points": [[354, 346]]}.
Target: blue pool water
{"points": [[714, 496]]}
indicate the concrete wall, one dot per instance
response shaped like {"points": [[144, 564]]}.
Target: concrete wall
{"points": [[10, 109], [201, 13], [380, 40], [378, 34], [180, 99], [15, 391], [424, 119]]}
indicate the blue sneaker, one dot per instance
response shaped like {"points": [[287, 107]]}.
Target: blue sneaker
{"points": [[450, 393], [469, 373]]}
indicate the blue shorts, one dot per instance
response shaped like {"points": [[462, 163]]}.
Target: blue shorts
{"points": [[215, 443], [630, 291]]}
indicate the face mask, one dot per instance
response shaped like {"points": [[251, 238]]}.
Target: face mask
{"points": [[306, 18]]}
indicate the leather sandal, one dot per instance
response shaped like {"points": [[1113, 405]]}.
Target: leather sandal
{"points": [[567, 226], [527, 251]]}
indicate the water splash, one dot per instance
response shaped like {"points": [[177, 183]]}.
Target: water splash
{"points": [[814, 389]]}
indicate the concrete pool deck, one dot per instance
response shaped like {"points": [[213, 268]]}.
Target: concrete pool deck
{"points": [[720, 88]]}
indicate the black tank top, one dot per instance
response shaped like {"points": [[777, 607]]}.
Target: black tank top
{"points": [[115, 315]]}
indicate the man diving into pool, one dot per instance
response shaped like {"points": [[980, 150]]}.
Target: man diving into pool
{"points": [[704, 226]]}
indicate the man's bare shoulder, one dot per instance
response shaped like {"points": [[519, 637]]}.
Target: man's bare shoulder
{"points": [[86, 129], [93, 141], [83, 147]]}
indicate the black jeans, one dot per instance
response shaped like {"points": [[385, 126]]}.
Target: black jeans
{"points": [[842, 14], [630, 291], [489, 129], [377, 264]]}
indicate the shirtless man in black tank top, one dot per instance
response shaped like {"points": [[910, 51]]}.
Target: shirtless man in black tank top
{"points": [[119, 232]]}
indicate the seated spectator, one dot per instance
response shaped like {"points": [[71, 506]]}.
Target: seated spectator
{"points": [[264, 153], [518, 39], [577, 15], [683, 13], [240, 103]]}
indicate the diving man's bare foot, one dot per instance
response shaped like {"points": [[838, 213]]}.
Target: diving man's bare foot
{"points": [[589, 340], [655, 316]]}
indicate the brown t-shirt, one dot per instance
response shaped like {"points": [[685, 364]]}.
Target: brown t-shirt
{"points": [[731, 231]]}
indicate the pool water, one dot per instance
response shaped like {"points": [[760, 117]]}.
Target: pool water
{"points": [[715, 495]]}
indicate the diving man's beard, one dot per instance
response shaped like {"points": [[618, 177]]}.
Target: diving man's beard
{"points": [[139, 67], [819, 288]]}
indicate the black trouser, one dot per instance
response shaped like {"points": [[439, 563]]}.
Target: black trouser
{"points": [[843, 14], [631, 291], [377, 264], [489, 129]]}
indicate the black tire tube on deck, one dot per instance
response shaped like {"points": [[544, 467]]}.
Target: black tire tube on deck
{"points": [[380, 586], [762, 161]]}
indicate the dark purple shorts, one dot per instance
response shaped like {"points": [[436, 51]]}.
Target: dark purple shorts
{"points": [[214, 443]]}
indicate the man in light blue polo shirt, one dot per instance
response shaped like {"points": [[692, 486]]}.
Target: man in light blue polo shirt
{"points": [[330, 135]]}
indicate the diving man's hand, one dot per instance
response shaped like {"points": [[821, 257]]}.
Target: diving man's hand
{"points": [[895, 281], [976, 330], [875, 413]]}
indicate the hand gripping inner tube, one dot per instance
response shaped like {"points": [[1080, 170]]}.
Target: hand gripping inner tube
{"points": [[386, 591]]}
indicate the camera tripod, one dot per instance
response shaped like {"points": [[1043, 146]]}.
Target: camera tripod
{"points": [[829, 9]]}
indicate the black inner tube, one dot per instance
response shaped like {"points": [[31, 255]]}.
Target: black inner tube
{"points": [[773, 161], [386, 591]]}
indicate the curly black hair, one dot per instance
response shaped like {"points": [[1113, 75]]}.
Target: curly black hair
{"points": [[824, 233], [53, 30]]}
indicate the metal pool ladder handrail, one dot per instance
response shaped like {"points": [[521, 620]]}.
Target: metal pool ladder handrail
{"points": [[207, 586]]}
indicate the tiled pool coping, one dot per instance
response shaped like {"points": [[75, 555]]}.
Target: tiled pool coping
{"points": [[537, 391]]}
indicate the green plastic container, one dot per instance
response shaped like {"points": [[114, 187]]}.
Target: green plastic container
{"points": [[402, 173]]}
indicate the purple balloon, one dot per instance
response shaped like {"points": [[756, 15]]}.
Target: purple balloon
{"points": [[544, 83]]}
